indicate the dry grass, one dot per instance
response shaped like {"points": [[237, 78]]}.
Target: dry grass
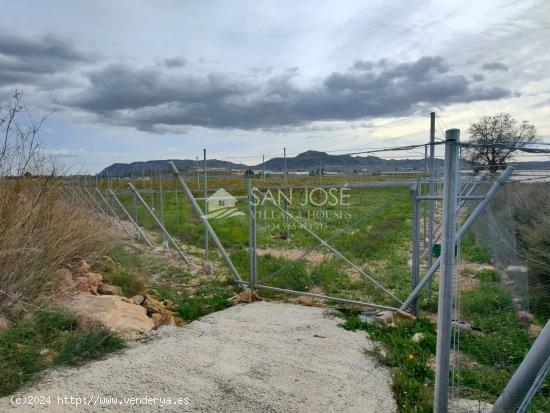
{"points": [[40, 231]]}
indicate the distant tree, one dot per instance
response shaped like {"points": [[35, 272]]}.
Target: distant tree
{"points": [[249, 173], [499, 137]]}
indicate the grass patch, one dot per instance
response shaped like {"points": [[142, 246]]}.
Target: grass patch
{"points": [[123, 268], [412, 379], [472, 251], [499, 343], [48, 338], [198, 303]]}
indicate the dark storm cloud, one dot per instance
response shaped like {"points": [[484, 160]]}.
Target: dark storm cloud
{"points": [[478, 77], [25, 59], [151, 99], [496, 66], [174, 62]]}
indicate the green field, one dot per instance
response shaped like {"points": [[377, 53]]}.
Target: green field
{"points": [[371, 228]]}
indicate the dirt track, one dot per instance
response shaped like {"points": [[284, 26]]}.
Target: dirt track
{"points": [[261, 357]]}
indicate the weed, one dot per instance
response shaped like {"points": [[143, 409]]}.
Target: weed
{"points": [[200, 302], [122, 268], [48, 338], [412, 379]]}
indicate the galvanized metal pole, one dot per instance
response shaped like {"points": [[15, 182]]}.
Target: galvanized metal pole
{"points": [[161, 200], [478, 210], [432, 203], [213, 235], [165, 232], [448, 243], [131, 219], [535, 388], [525, 376], [415, 243], [205, 206], [263, 166], [252, 236], [285, 176], [286, 195], [425, 211]]}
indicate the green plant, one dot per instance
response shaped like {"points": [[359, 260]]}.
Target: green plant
{"points": [[123, 268], [412, 379], [472, 251], [47, 338]]}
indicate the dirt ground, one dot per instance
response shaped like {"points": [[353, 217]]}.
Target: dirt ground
{"points": [[260, 357]]}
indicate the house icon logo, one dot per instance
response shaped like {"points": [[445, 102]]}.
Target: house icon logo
{"points": [[221, 204]]}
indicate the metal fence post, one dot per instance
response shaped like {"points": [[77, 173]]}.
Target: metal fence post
{"points": [[415, 243], [448, 243], [285, 180], [526, 375], [432, 203], [161, 201], [205, 207], [252, 236], [162, 228]]}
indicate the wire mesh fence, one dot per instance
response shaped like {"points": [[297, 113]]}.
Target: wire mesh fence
{"points": [[353, 234]]}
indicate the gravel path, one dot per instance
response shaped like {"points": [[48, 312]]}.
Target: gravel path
{"points": [[261, 357]]}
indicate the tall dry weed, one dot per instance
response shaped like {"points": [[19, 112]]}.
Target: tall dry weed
{"points": [[40, 231]]}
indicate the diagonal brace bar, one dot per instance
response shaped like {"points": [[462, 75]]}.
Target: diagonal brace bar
{"points": [[162, 228], [141, 232], [335, 251]]}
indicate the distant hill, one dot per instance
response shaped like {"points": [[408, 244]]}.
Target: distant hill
{"points": [[306, 161], [125, 169], [311, 160]]}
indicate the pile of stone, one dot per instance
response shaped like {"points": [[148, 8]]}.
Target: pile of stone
{"points": [[97, 303]]}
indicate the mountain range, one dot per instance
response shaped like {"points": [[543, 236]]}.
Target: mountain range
{"points": [[306, 161]]}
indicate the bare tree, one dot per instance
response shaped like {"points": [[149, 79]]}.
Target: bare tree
{"points": [[20, 144], [497, 138]]}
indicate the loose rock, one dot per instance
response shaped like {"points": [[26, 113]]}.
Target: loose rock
{"points": [[138, 299], [88, 282], [111, 312], [244, 297], [152, 305], [462, 325], [108, 289]]}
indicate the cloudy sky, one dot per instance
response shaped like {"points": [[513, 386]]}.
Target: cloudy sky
{"points": [[131, 80]]}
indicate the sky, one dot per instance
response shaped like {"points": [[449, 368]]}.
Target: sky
{"points": [[130, 80]]}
